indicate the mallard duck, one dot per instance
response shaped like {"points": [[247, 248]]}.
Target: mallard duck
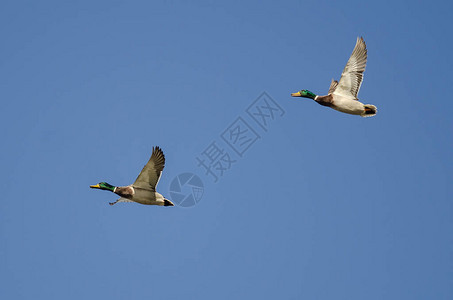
{"points": [[143, 190], [342, 95]]}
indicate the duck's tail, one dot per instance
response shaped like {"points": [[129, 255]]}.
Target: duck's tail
{"points": [[370, 110], [168, 203]]}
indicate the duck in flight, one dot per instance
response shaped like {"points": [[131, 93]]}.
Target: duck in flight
{"points": [[342, 95], [143, 190]]}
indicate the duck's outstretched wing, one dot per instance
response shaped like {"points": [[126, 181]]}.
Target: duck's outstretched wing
{"points": [[333, 86], [120, 200], [351, 78], [150, 175]]}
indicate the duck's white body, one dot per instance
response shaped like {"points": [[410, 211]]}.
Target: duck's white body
{"points": [[347, 105], [145, 196]]}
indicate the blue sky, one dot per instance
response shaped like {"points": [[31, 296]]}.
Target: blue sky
{"points": [[323, 206]]}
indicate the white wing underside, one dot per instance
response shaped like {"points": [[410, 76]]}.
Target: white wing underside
{"points": [[158, 178], [333, 86], [152, 171], [123, 200], [352, 76]]}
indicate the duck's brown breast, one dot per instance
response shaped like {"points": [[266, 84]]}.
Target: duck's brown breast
{"points": [[325, 100], [125, 191]]}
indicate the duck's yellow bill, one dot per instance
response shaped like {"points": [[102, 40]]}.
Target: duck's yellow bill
{"points": [[295, 94], [96, 186]]}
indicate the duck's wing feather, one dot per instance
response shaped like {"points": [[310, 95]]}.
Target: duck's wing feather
{"points": [[150, 175], [333, 86], [352, 75], [121, 200]]}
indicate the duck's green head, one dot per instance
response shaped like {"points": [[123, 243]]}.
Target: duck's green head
{"points": [[103, 186], [305, 94]]}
